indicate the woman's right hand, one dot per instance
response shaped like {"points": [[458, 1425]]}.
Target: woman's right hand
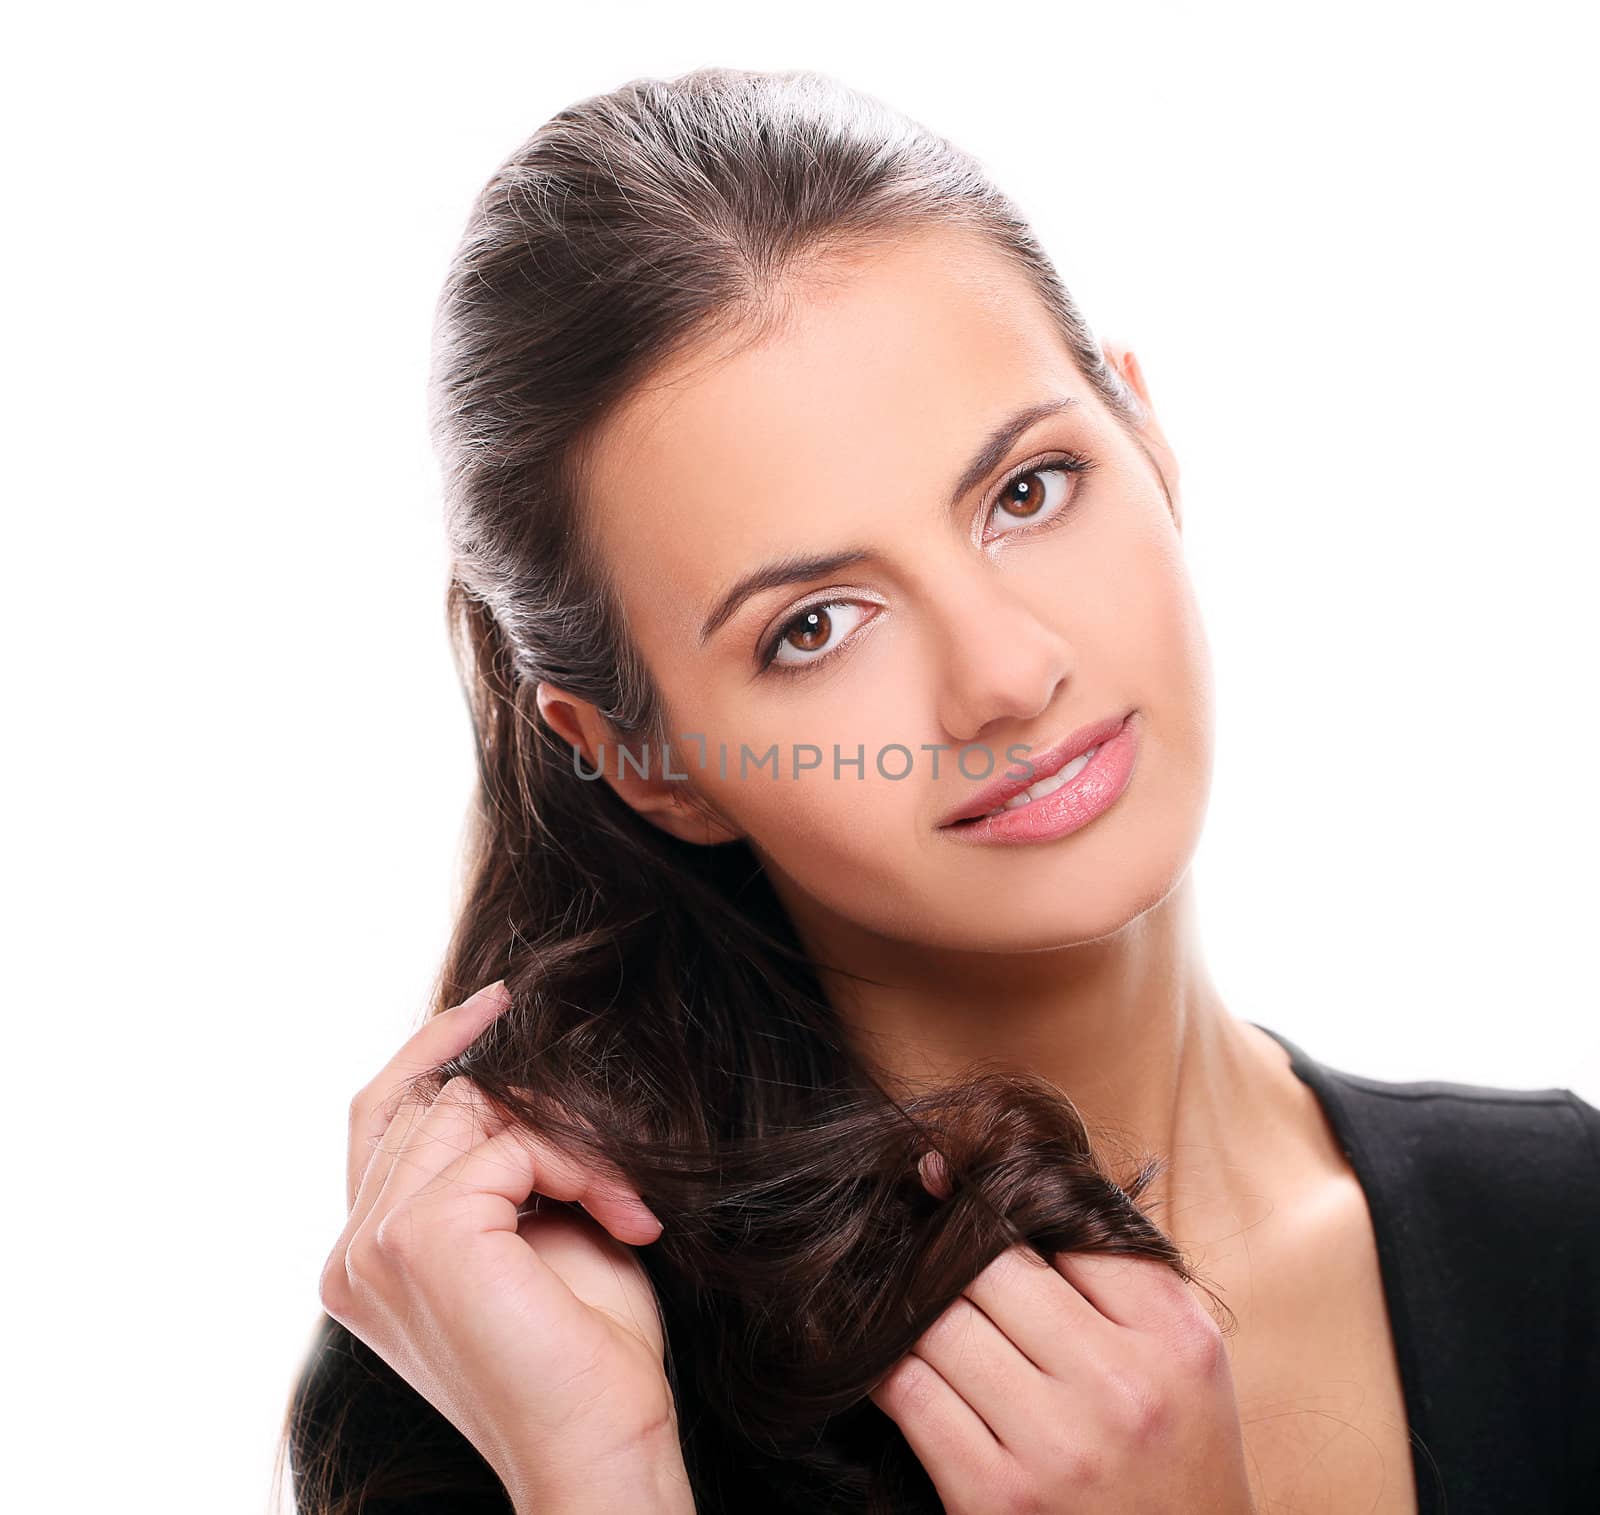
{"points": [[537, 1335], [1089, 1384]]}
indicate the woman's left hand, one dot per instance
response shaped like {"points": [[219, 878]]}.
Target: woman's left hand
{"points": [[1096, 1385]]}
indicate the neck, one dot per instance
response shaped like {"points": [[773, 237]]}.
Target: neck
{"points": [[1129, 1027]]}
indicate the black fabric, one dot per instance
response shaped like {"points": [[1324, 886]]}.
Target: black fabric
{"points": [[1486, 1208], [1485, 1204]]}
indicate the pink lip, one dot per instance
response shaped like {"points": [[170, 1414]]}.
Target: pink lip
{"points": [[1092, 792], [1052, 760]]}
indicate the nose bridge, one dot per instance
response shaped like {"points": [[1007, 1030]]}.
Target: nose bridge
{"points": [[994, 655]]}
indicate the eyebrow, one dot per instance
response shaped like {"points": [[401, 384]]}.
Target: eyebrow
{"points": [[797, 568]]}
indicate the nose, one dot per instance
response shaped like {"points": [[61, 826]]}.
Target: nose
{"points": [[999, 661]]}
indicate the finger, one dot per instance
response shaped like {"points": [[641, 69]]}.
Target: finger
{"points": [[934, 1172], [950, 1438], [984, 1366], [385, 1149], [443, 1230], [441, 1037], [397, 1145], [1053, 1325], [515, 1163], [433, 1137], [1143, 1293]]}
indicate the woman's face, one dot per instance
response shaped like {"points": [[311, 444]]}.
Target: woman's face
{"points": [[1010, 606]]}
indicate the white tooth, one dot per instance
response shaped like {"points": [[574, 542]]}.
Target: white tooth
{"points": [[1048, 786]]}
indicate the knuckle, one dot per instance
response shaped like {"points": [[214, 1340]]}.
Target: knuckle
{"points": [[360, 1261], [1018, 1491], [333, 1285], [1198, 1344], [397, 1238], [1140, 1406], [1078, 1467], [461, 1093], [457, 1090], [360, 1104]]}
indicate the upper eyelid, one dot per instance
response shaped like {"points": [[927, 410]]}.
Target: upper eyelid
{"points": [[769, 662], [1066, 460], [1042, 463], [1074, 465], [829, 597], [1062, 458]]}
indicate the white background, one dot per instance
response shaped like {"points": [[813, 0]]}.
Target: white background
{"points": [[1353, 247]]}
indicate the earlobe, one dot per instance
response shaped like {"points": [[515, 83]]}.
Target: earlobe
{"points": [[679, 816]]}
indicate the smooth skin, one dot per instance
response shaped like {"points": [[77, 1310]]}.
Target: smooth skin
{"points": [[536, 1335], [1094, 1385], [977, 621], [1085, 1383], [1098, 1384], [962, 621]]}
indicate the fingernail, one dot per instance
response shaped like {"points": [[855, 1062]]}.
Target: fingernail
{"points": [[494, 991], [935, 1175]]}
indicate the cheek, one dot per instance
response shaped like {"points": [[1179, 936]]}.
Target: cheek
{"points": [[812, 732], [1170, 677], [847, 836], [1158, 578], [847, 847], [1125, 600], [1176, 657], [857, 843]]}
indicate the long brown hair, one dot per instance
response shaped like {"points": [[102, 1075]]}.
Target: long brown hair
{"points": [[665, 1021]]}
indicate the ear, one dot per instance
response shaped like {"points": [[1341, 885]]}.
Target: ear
{"points": [[654, 782], [1149, 430]]}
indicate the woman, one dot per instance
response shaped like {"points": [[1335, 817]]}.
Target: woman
{"points": [[844, 729]]}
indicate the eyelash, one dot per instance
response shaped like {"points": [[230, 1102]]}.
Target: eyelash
{"points": [[1064, 462]]}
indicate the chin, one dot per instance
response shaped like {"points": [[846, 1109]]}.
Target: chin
{"points": [[1105, 895]]}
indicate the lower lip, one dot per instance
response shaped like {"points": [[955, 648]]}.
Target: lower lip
{"points": [[1072, 806]]}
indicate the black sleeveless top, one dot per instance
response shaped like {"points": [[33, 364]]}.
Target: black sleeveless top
{"points": [[1485, 1204]]}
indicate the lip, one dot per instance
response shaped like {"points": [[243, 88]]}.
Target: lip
{"points": [[1052, 760]]}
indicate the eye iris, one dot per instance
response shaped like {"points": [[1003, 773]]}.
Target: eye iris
{"points": [[812, 628], [1033, 497]]}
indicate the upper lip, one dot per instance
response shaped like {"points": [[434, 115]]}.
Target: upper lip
{"points": [[992, 795]]}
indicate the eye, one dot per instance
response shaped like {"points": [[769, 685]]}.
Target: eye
{"points": [[808, 636], [1036, 493]]}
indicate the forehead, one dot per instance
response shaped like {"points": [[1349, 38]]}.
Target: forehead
{"points": [[878, 389]]}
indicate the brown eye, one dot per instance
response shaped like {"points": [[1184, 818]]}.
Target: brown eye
{"points": [[1024, 495], [817, 630], [1037, 493], [809, 630]]}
